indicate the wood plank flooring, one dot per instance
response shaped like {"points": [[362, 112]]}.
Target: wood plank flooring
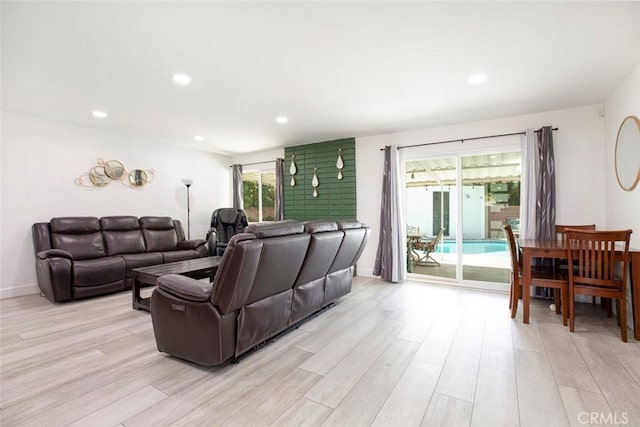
{"points": [[411, 354]]}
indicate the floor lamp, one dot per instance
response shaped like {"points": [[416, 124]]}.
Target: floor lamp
{"points": [[187, 182]]}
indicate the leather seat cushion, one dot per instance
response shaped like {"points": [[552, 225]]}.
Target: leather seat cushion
{"points": [[122, 235], [124, 242], [99, 271], [141, 260], [79, 236], [159, 233], [174, 256]]}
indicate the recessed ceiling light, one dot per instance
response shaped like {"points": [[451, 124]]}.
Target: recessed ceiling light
{"points": [[182, 79], [475, 79], [282, 119], [198, 138], [99, 114]]}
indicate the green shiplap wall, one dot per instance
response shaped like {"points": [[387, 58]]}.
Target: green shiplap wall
{"points": [[336, 198]]}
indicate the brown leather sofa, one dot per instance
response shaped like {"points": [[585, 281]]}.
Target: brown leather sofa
{"points": [[80, 257], [271, 277]]}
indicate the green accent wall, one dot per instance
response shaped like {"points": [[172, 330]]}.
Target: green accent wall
{"points": [[336, 198]]}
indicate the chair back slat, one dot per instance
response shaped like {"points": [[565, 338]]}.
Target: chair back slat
{"points": [[594, 254]]}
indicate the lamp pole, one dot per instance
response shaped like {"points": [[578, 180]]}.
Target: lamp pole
{"points": [[188, 182]]}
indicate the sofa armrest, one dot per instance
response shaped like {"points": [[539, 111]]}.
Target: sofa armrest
{"points": [[191, 244], [54, 276], [185, 288], [50, 253]]}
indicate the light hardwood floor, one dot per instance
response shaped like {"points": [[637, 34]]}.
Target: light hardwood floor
{"points": [[385, 355]]}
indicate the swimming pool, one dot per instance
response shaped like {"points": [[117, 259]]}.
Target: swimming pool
{"points": [[473, 246]]}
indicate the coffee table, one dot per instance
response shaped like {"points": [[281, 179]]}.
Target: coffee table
{"points": [[198, 268]]}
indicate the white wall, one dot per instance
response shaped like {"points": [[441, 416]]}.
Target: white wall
{"points": [[420, 209], [473, 212], [261, 158], [41, 159], [1, 150], [622, 207], [578, 153]]}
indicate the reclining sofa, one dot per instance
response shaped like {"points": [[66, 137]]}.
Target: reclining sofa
{"points": [[270, 278], [80, 257]]}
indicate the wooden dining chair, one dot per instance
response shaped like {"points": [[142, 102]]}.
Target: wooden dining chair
{"points": [[561, 234], [600, 269], [551, 279], [516, 271]]}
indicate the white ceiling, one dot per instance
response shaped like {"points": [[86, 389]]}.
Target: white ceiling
{"points": [[336, 69]]}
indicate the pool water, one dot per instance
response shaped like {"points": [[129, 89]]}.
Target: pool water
{"points": [[473, 246]]}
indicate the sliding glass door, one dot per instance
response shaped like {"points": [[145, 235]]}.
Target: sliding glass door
{"points": [[490, 199], [431, 209], [456, 206]]}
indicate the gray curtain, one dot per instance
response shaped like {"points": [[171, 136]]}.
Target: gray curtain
{"points": [[238, 201], [545, 197], [279, 214], [546, 187], [391, 255]]}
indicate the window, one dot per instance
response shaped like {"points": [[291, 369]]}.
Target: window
{"points": [[259, 191]]}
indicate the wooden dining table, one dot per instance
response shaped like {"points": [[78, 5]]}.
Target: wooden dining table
{"points": [[530, 249]]}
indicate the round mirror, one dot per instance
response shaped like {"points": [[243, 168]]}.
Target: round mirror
{"points": [[114, 169], [627, 155], [98, 176], [137, 178]]}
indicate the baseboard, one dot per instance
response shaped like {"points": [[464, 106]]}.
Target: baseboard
{"points": [[19, 291], [487, 286], [475, 285], [365, 272]]}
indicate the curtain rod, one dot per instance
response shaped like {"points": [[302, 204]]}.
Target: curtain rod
{"points": [[462, 140], [254, 163]]}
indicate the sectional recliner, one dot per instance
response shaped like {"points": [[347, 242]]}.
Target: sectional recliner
{"points": [[80, 257], [271, 277]]}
